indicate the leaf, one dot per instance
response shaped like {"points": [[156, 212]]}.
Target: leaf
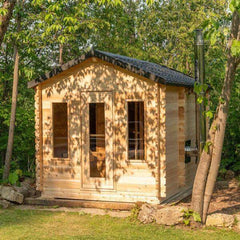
{"points": [[186, 222], [196, 217], [13, 178], [206, 147], [235, 49], [235, 5], [209, 114], [3, 11]]}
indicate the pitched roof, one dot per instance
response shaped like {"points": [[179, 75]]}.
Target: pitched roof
{"points": [[158, 73]]}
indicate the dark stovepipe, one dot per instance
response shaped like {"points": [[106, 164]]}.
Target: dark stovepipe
{"points": [[200, 79]]}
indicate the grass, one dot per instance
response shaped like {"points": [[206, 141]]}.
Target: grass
{"points": [[34, 224]]}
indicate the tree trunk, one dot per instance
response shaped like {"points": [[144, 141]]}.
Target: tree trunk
{"points": [[60, 54], [222, 113], [13, 114], [201, 176], [5, 20], [209, 161], [13, 108]]}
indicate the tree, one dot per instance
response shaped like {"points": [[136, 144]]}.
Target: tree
{"points": [[5, 17], [14, 106], [211, 156]]}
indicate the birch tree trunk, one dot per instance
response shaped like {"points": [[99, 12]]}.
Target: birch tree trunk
{"points": [[222, 113], [210, 160], [5, 20], [13, 114], [13, 108]]}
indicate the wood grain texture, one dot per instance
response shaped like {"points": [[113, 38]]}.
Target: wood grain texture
{"points": [[38, 138], [158, 176]]}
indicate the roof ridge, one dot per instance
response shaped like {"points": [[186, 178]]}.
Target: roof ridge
{"points": [[160, 65]]}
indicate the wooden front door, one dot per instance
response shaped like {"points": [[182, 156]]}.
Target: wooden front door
{"points": [[97, 140]]}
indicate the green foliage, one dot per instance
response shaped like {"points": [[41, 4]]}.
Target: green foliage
{"points": [[3, 11], [235, 49], [157, 31], [196, 217], [234, 5], [14, 177], [134, 213], [190, 215], [206, 146]]}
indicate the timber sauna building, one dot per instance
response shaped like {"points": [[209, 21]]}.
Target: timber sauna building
{"points": [[114, 128]]}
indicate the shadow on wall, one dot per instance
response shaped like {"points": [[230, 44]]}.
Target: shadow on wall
{"points": [[67, 87]]}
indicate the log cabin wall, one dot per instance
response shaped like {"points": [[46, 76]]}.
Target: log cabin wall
{"points": [[180, 129], [133, 180], [172, 143]]}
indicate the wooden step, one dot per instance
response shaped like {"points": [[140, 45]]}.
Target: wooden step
{"points": [[79, 203]]}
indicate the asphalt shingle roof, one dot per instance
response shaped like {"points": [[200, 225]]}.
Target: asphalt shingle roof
{"points": [[158, 73]]}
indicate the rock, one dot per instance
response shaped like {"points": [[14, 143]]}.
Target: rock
{"points": [[234, 184], [4, 203], [12, 195], [220, 220], [28, 180], [229, 175], [222, 185], [23, 190], [147, 213], [170, 215], [26, 189]]}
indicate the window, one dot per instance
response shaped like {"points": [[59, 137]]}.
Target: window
{"points": [[60, 130], [187, 157], [97, 140], [136, 130]]}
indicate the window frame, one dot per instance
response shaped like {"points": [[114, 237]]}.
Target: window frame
{"points": [[144, 129], [68, 132]]}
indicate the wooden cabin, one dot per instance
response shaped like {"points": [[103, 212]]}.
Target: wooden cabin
{"points": [[114, 128]]}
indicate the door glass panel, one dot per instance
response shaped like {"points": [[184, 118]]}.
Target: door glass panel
{"points": [[97, 140], [136, 130]]}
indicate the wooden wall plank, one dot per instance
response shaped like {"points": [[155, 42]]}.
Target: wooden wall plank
{"points": [[97, 76]]}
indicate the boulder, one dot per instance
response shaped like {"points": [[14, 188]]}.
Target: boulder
{"points": [[11, 195], [229, 175], [26, 189], [170, 215], [28, 180], [23, 190], [147, 213], [4, 203], [220, 220]]}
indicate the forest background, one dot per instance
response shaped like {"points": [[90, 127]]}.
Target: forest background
{"points": [[53, 32]]}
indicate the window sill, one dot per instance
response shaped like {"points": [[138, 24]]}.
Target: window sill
{"points": [[136, 161], [61, 159]]}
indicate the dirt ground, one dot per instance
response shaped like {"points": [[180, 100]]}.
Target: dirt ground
{"points": [[226, 198]]}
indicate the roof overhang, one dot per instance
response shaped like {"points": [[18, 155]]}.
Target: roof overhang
{"points": [[157, 73]]}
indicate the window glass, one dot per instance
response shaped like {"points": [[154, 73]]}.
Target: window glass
{"points": [[97, 140], [136, 130], [187, 157], [60, 130]]}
